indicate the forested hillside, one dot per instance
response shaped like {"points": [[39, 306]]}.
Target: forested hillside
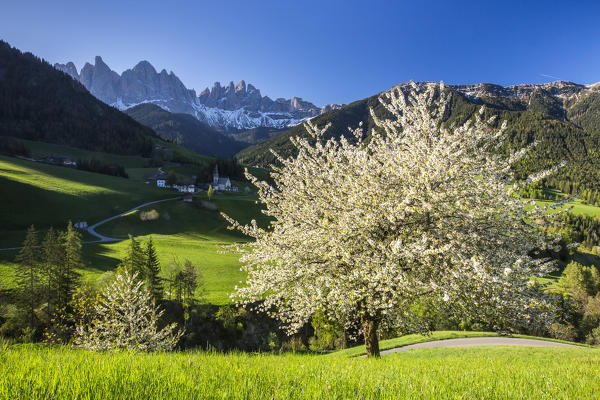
{"points": [[572, 135], [38, 102], [185, 130]]}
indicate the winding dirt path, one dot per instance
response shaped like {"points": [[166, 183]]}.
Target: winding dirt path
{"points": [[479, 341], [101, 238]]}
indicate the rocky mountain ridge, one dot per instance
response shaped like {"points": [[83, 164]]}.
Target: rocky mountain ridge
{"points": [[228, 108], [561, 89]]}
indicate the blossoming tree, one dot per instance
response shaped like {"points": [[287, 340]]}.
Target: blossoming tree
{"points": [[362, 229], [127, 319]]}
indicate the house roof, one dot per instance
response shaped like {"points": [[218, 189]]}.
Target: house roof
{"points": [[157, 176]]}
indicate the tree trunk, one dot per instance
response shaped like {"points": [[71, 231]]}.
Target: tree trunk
{"points": [[370, 326]]}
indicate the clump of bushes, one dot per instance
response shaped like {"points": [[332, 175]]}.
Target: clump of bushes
{"points": [[151, 215]]}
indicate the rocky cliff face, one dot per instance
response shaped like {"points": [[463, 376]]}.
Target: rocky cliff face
{"points": [[69, 69], [231, 107]]}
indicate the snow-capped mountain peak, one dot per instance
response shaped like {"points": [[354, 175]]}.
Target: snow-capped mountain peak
{"points": [[232, 107]]}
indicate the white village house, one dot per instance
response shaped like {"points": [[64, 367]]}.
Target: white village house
{"points": [[160, 179], [185, 186]]}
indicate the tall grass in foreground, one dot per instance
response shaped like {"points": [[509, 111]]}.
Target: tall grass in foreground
{"points": [[35, 372]]}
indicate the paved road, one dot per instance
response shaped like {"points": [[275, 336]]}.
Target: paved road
{"points": [[482, 341], [92, 229]]}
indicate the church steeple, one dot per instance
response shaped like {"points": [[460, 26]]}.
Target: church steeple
{"points": [[216, 175]]}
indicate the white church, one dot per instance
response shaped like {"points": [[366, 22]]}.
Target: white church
{"points": [[222, 184]]}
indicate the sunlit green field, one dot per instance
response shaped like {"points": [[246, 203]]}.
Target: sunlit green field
{"points": [[578, 207], [37, 372], [183, 231], [220, 270]]}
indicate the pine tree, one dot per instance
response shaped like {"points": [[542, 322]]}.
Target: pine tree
{"points": [[152, 269], [54, 257], [135, 260], [28, 275], [68, 277]]}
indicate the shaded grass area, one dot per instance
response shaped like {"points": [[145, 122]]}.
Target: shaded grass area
{"points": [[36, 372], [436, 335], [40, 149], [48, 195]]}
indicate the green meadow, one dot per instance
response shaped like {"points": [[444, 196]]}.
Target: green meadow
{"points": [[39, 372], [48, 195], [577, 207], [180, 230]]}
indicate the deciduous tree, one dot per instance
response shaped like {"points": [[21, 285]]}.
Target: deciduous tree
{"points": [[366, 227]]}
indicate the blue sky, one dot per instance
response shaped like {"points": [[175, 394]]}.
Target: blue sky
{"points": [[322, 51]]}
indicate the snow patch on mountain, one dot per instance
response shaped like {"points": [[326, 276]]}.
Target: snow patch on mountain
{"points": [[243, 119]]}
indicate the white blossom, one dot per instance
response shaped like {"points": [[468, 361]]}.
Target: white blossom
{"points": [[127, 319], [365, 227]]}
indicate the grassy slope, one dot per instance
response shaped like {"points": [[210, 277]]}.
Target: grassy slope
{"points": [[36, 372], [40, 149], [47, 195], [183, 231]]}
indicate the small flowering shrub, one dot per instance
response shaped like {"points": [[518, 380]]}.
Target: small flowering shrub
{"points": [[127, 319]]}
